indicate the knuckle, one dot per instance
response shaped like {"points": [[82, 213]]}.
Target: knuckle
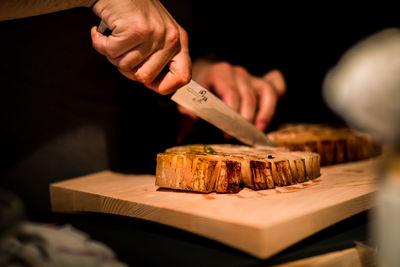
{"points": [[158, 33], [268, 87], [264, 85], [143, 77], [180, 81], [112, 53], [125, 66], [183, 36], [223, 65], [140, 31], [240, 70], [185, 78], [107, 49], [172, 37]]}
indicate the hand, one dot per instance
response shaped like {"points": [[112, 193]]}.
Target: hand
{"points": [[255, 98], [144, 40]]}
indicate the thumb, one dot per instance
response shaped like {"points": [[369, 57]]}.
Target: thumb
{"points": [[99, 41]]}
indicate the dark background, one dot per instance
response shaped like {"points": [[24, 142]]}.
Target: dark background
{"points": [[65, 111]]}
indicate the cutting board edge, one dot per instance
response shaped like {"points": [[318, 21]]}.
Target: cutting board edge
{"points": [[259, 243], [211, 228], [352, 207]]}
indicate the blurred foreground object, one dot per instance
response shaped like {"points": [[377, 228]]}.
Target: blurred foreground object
{"points": [[24, 243], [33, 244], [11, 212], [364, 87], [387, 215]]}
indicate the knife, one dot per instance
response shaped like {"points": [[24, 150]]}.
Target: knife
{"points": [[210, 108]]}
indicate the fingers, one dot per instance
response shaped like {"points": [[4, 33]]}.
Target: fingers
{"points": [[220, 79], [267, 103], [180, 70], [114, 46], [233, 84], [147, 70], [248, 96], [130, 60], [144, 65], [98, 40], [146, 43], [275, 77], [271, 87], [254, 97]]}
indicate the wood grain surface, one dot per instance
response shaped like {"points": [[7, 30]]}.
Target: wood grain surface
{"points": [[261, 223]]}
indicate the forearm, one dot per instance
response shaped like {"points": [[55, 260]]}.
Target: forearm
{"points": [[14, 9]]}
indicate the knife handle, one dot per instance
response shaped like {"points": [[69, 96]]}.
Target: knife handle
{"points": [[102, 27]]}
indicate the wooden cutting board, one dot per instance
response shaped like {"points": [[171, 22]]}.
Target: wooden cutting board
{"points": [[261, 223]]}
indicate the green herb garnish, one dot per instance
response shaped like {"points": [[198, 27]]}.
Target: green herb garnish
{"points": [[209, 150]]}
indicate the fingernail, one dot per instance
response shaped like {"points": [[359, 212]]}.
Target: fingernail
{"points": [[262, 125]]}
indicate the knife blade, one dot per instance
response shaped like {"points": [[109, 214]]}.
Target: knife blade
{"points": [[209, 107]]}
